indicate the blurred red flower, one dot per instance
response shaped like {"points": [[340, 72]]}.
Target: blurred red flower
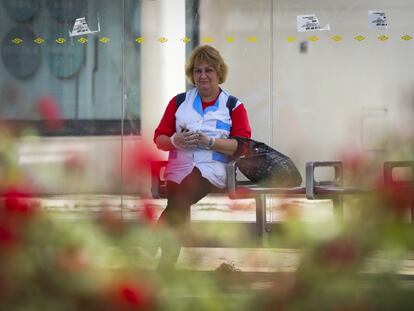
{"points": [[397, 196], [131, 295], [138, 156], [7, 237], [148, 212], [16, 202], [353, 161], [49, 109]]}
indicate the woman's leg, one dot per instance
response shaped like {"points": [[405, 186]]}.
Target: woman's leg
{"points": [[177, 213]]}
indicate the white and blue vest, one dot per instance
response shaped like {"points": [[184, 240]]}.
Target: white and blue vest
{"points": [[214, 121]]}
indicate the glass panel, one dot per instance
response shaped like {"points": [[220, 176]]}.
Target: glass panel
{"points": [[57, 82], [244, 37], [132, 58], [346, 89], [341, 94], [83, 73]]}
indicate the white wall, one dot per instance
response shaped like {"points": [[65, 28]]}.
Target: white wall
{"points": [[162, 64]]}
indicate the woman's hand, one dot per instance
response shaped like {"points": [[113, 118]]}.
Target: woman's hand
{"points": [[185, 140], [204, 141]]}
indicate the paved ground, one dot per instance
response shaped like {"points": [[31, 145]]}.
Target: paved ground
{"points": [[210, 208], [266, 260]]}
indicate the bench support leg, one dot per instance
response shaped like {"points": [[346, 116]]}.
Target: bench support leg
{"points": [[261, 218]]}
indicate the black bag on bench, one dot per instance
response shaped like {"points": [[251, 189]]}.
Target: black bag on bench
{"points": [[264, 165]]}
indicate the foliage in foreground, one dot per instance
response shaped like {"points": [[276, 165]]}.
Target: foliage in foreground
{"points": [[107, 263]]}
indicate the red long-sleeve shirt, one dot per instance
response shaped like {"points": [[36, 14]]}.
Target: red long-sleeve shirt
{"points": [[240, 122]]}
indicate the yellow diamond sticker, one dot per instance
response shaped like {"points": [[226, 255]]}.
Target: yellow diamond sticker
{"points": [[313, 38], [383, 38], [186, 39], [207, 39], [406, 37], [60, 40], [39, 40], [104, 39], [252, 39], [162, 39], [230, 39], [17, 41], [82, 40], [290, 39], [336, 38], [140, 40], [359, 38]]}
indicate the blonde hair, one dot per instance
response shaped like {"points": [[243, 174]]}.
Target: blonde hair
{"points": [[208, 54]]}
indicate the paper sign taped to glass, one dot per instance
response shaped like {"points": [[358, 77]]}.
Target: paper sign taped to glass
{"points": [[377, 20], [310, 22], [81, 28]]}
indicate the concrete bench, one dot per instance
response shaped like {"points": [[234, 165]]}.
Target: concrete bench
{"points": [[332, 189]]}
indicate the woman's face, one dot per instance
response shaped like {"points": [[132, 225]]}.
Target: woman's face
{"points": [[206, 80]]}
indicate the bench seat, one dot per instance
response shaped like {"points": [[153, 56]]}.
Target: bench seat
{"points": [[327, 189]]}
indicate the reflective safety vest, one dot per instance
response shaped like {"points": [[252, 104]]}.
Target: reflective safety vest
{"points": [[214, 121]]}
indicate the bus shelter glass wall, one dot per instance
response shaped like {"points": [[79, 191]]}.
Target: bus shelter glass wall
{"points": [[242, 31], [68, 89], [347, 89]]}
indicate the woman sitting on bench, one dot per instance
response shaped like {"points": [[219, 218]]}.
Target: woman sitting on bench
{"points": [[196, 128]]}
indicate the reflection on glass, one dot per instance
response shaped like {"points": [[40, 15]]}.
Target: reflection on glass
{"points": [[86, 74]]}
